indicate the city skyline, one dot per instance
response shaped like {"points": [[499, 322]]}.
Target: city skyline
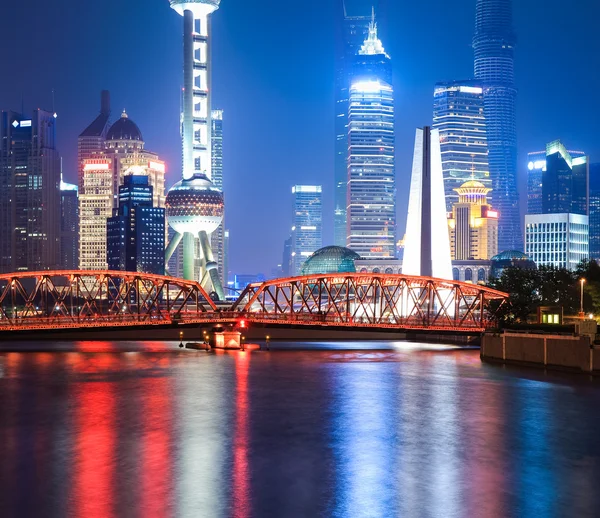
{"points": [[414, 76]]}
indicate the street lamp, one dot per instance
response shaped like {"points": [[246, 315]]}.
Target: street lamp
{"points": [[581, 313]]}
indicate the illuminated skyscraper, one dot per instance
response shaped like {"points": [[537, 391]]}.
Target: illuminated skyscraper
{"points": [[494, 44], [536, 165], [595, 211], [29, 192], [217, 240], [371, 205], [136, 231], [459, 116], [69, 226], [565, 181], [355, 17], [194, 205], [473, 225], [307, 232], [92, 139]]}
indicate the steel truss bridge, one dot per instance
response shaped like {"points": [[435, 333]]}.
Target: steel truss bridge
{"points": [[47, 300]]}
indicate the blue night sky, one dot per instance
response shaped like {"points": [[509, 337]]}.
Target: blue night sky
{"points": [[273, 74]]}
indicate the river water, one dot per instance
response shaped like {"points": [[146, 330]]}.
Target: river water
{"points": [[100, 429]]}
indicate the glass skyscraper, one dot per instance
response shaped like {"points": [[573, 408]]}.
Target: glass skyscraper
{"points": [[218, 236], [494, 44], [595, 211], [355, 16], [136, 232], [536, 165], [458, 114], [565, 181], [371, 209], [307, 232]]}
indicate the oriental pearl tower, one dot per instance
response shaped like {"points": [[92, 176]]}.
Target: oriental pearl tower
{"points": [[194, 205]]}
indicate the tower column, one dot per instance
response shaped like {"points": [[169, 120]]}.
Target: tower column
{"points": [[188, 94]]}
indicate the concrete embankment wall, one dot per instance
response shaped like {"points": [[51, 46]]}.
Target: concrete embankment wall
{"points": [[547, 351]]}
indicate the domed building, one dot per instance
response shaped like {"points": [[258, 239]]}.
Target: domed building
{"points": [[510, 259], [122, 153], [331, 259]]}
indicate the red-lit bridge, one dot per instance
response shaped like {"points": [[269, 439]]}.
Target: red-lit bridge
{"points": [[31, 301]]}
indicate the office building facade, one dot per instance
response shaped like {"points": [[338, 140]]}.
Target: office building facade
{"points": [[473, 226], [371, 196], [536, 165], [29, 192], [494, 44], [458, 115], [218, 236], [136, 231], [69, 226], [560, 240], [594, 208], [565, 181], [307, 231]]}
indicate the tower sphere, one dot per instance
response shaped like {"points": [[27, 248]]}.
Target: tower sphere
{"points": [[194, 205], [203, 7]]}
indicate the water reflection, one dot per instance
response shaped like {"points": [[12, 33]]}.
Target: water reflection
{"points": [[101, 432]]}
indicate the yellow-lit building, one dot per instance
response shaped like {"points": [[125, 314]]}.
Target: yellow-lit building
{"points": [[473, 225]]}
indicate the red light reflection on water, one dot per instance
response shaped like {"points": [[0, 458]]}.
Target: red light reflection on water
{"points": [[156, 459], [241, 472], [94, 449]]}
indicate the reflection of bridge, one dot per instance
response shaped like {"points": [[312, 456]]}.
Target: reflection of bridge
{"points": [[91, 299]]}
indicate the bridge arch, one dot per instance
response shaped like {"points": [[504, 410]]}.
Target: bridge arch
{"points": [[92, 298], [371, 301]]}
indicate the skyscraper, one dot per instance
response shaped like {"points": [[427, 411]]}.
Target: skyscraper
{"points": [[458, 114], [29, 192], [136, 231], [595, 211], [195, 206], [307, 231], [218, 237], [565, 181], [494, 43], [69, 226], [427, 250], [371, 205], [91, 140], [355, 17], [122, 154], [536, 165]]}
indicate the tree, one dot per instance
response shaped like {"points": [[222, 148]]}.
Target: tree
{"points": [[522, 287]]}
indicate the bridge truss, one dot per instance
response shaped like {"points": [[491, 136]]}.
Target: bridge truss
{"points": [[86, 299], [79, 299], [371, 301]]}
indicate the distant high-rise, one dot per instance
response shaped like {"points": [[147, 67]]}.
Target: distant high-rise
{"points": [[29, 192], [69, 226], [136, 231], [371, 197], [565, 181], [595, 211], [427, 250], [536, 165], [473, 225], [355, 17], [494, 44], [91, 140], [218, 236], [307, 232], [458, 114]]}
